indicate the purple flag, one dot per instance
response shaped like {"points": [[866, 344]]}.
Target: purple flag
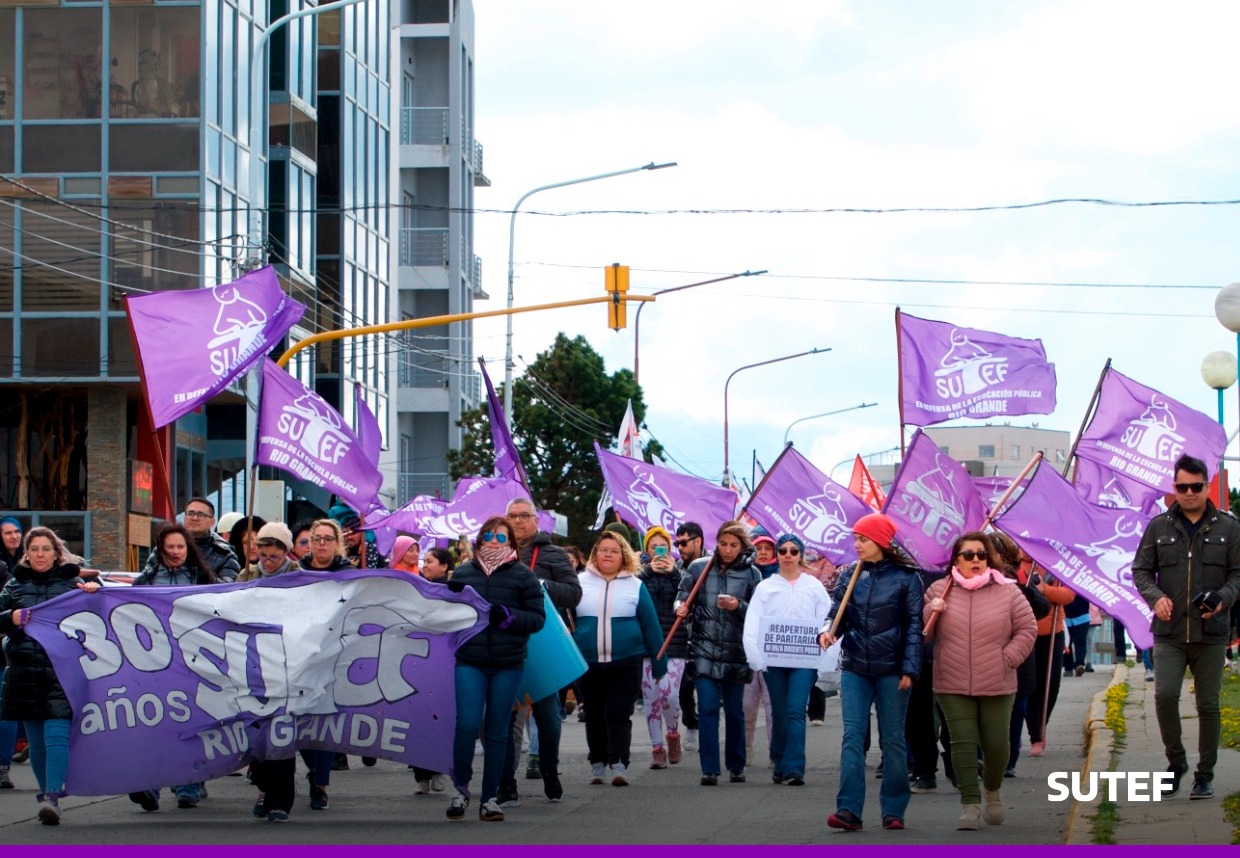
{"points": [[193, 343], [371, 438], [1103, 486], [992, 490], [1139, 433], [300, 433], [1087, 547], [476, 499], [648, 495], [173, 685], [796, 497], [933, 500], [951, 371], [507, 459]]}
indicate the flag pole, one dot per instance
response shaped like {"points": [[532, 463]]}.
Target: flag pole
{"points": [[146, 399], [765, 477], [900, 376], [1088, 413]]}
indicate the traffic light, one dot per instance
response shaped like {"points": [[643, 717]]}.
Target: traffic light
{"points": [[617, 284]]}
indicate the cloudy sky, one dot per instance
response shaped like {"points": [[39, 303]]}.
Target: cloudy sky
{"points": [[835, 104]]}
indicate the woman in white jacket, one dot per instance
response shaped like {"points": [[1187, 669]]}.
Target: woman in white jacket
{"points": [[795, 596]]}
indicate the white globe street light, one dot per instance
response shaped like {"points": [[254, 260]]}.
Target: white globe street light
{"points": [[1218, 370]]}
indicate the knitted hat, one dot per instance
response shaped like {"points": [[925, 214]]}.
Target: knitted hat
{"points": [[876, 527], [8, 519], [656, 531], [402, 544], [227, 521], [764, 537], [344, 516], [278, 531], [618, 529], [790, 537]]}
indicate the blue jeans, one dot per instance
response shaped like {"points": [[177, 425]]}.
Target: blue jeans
{"points": [[8, 735], [49, 753], [544, 732], [789, 687], [711, 693], [484, 699], [1147, 658], [857, 695]]}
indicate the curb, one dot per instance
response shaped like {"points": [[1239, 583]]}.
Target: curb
{"points": [[1099, 739]]}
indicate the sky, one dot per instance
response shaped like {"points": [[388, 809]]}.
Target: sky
{"points": [[828, 104]]}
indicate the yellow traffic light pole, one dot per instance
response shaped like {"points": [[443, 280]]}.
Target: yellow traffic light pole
{"points": [[614, 299]]}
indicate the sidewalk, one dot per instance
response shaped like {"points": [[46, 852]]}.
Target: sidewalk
{"points": [[1171, 821]]}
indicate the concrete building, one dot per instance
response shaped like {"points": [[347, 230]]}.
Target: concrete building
{"points": [[991, 450]]}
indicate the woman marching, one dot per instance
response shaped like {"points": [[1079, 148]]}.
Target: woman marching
{"points": [[30, 691], [617, 629], [661, 698], [716, 645], [789, 595], [984, 632], [880, 657]]}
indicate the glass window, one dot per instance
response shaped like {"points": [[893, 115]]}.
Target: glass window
{"points": [[245, 50], [155, 62], [6, 345], [6, 149], [169, 264], [307, 220], [213, 153], [8, 263], [228, 65], [154, 147], [8, 74], [60, 346], [62, 71], [211, 52], [986, 451], [329, 28], [121, 359], [68, 243], [49, 149], [89, 186]]}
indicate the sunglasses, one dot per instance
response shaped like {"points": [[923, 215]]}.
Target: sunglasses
{"points": [[795, 552], [972, 555], [1190, 488], [681, 543], [488, 536]]}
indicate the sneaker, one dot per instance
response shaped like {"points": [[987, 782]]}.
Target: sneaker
{"points": [[147, 799], [845, 820], [478, 749], [710, 780], [505, 798], [570, 706], [439, 783], [318, 797], [794, 780], [1176, 776], [924, 785], [5, 781], [736, 776], [581, 713], [691, 742], [658, 758], [340, 763], [619, 775], [1010, 772], [1089, 668], [1037, 749], [260, 806], [598, 773], [489, 811], [994, 812], [1149, 676], [423, 788], [277, 816], [552, 787], [1080, 670], [674, 750], [970, 817], [21, 751], [878, 773], [187, 802], [815, 722], [456, 807], [532, 771], [777, 777], [891, 822], [1202, 788], [49, 809], [369, 762]]}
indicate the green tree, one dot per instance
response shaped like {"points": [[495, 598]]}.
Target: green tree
{"points": [[562, 404]]}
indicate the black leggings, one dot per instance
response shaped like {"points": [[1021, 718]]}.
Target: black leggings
{"points": [[1045, 649]]}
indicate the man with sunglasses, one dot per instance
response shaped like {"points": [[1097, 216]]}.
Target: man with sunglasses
{"points": [[689, 547], [1188, 570]]}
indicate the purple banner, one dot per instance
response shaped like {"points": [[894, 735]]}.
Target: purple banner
{"points": [[476, 499], [1139, 433], [798, 498], [951, 371], [1103, 486], [193, 343], [647, 495], [507, 459], [933, 500], [370, 436], [1087, 547], [992, 490], [174, 685], [300, 433]]}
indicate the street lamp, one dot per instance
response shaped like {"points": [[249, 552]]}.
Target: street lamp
{"points": [[1218, 370], [836, 466], [637, 322], [727, 472], [825, 414], [512, 228]]}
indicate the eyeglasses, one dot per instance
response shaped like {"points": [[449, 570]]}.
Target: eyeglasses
{"points": [[795, 552], [681, 543], [193, 513], [1190, 488], [270, 558], [972, 555], [322, 540], [521, 516], [488, 536]]}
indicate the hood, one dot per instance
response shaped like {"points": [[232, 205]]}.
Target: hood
{"points": [[64, 571]]}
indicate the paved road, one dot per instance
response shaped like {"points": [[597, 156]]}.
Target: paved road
{"points": [[376, 805]]}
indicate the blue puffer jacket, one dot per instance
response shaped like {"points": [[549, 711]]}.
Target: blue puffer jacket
{"points": [[881, 631]]}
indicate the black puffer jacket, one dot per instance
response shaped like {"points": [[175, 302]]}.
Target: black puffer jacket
{"points": [[163, 576], [31, 691], [716, 644], [338, 563], [516, 588], [215, 552], [881, 631], [663, 589], [1027, 673], [552, 564]]}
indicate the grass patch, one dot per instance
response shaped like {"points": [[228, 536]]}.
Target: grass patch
{"points": [[1103, 824], [1230, 701], [1231, 812]]}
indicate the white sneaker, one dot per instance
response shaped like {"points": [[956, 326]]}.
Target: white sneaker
{"points": [[424, 788], [691, 742], [1149, 675], [478, 749], [598, 773], [619, 775], [439, 783]]}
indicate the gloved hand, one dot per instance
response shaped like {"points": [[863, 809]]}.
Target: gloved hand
{"points": [[501, 617], [456, 586]]}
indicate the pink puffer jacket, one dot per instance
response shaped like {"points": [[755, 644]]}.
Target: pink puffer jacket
{"points": [[982, 637]]}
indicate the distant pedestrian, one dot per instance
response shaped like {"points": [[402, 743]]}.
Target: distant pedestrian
{"points": [[690, 547], [661, 697]]}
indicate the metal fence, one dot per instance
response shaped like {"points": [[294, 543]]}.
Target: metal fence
{"points": [[424, 126], [410, 484], [419, 246]]}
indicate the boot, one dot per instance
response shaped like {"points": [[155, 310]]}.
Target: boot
{"points": [[673, 748], [659, 759], [994, 813], [5, 781], [970, 817], [49, 808]]}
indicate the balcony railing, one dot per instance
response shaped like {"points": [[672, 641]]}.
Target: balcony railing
{"points": [[420, 246], [410, 484], [476, 273], [425, 369], [424, 126], [478, 158]]}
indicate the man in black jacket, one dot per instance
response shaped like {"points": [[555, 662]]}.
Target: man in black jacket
{"points": [[558, 575], [1188, 570], [215, 550]]}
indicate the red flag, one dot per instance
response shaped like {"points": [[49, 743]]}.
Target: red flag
{"points": [[864, 486]]}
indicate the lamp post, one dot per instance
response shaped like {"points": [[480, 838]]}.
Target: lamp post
{"points": [[825, 414], [727, 472], [836, 466], [1218, 370], [637, 321], [1227, 310], [512, 229]]}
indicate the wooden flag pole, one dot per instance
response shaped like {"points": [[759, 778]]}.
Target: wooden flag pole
{"points": [[848, 591], [697, 585]]}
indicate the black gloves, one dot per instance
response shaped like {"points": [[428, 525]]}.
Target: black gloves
{"points": [[501, 617], [456, 586]]}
